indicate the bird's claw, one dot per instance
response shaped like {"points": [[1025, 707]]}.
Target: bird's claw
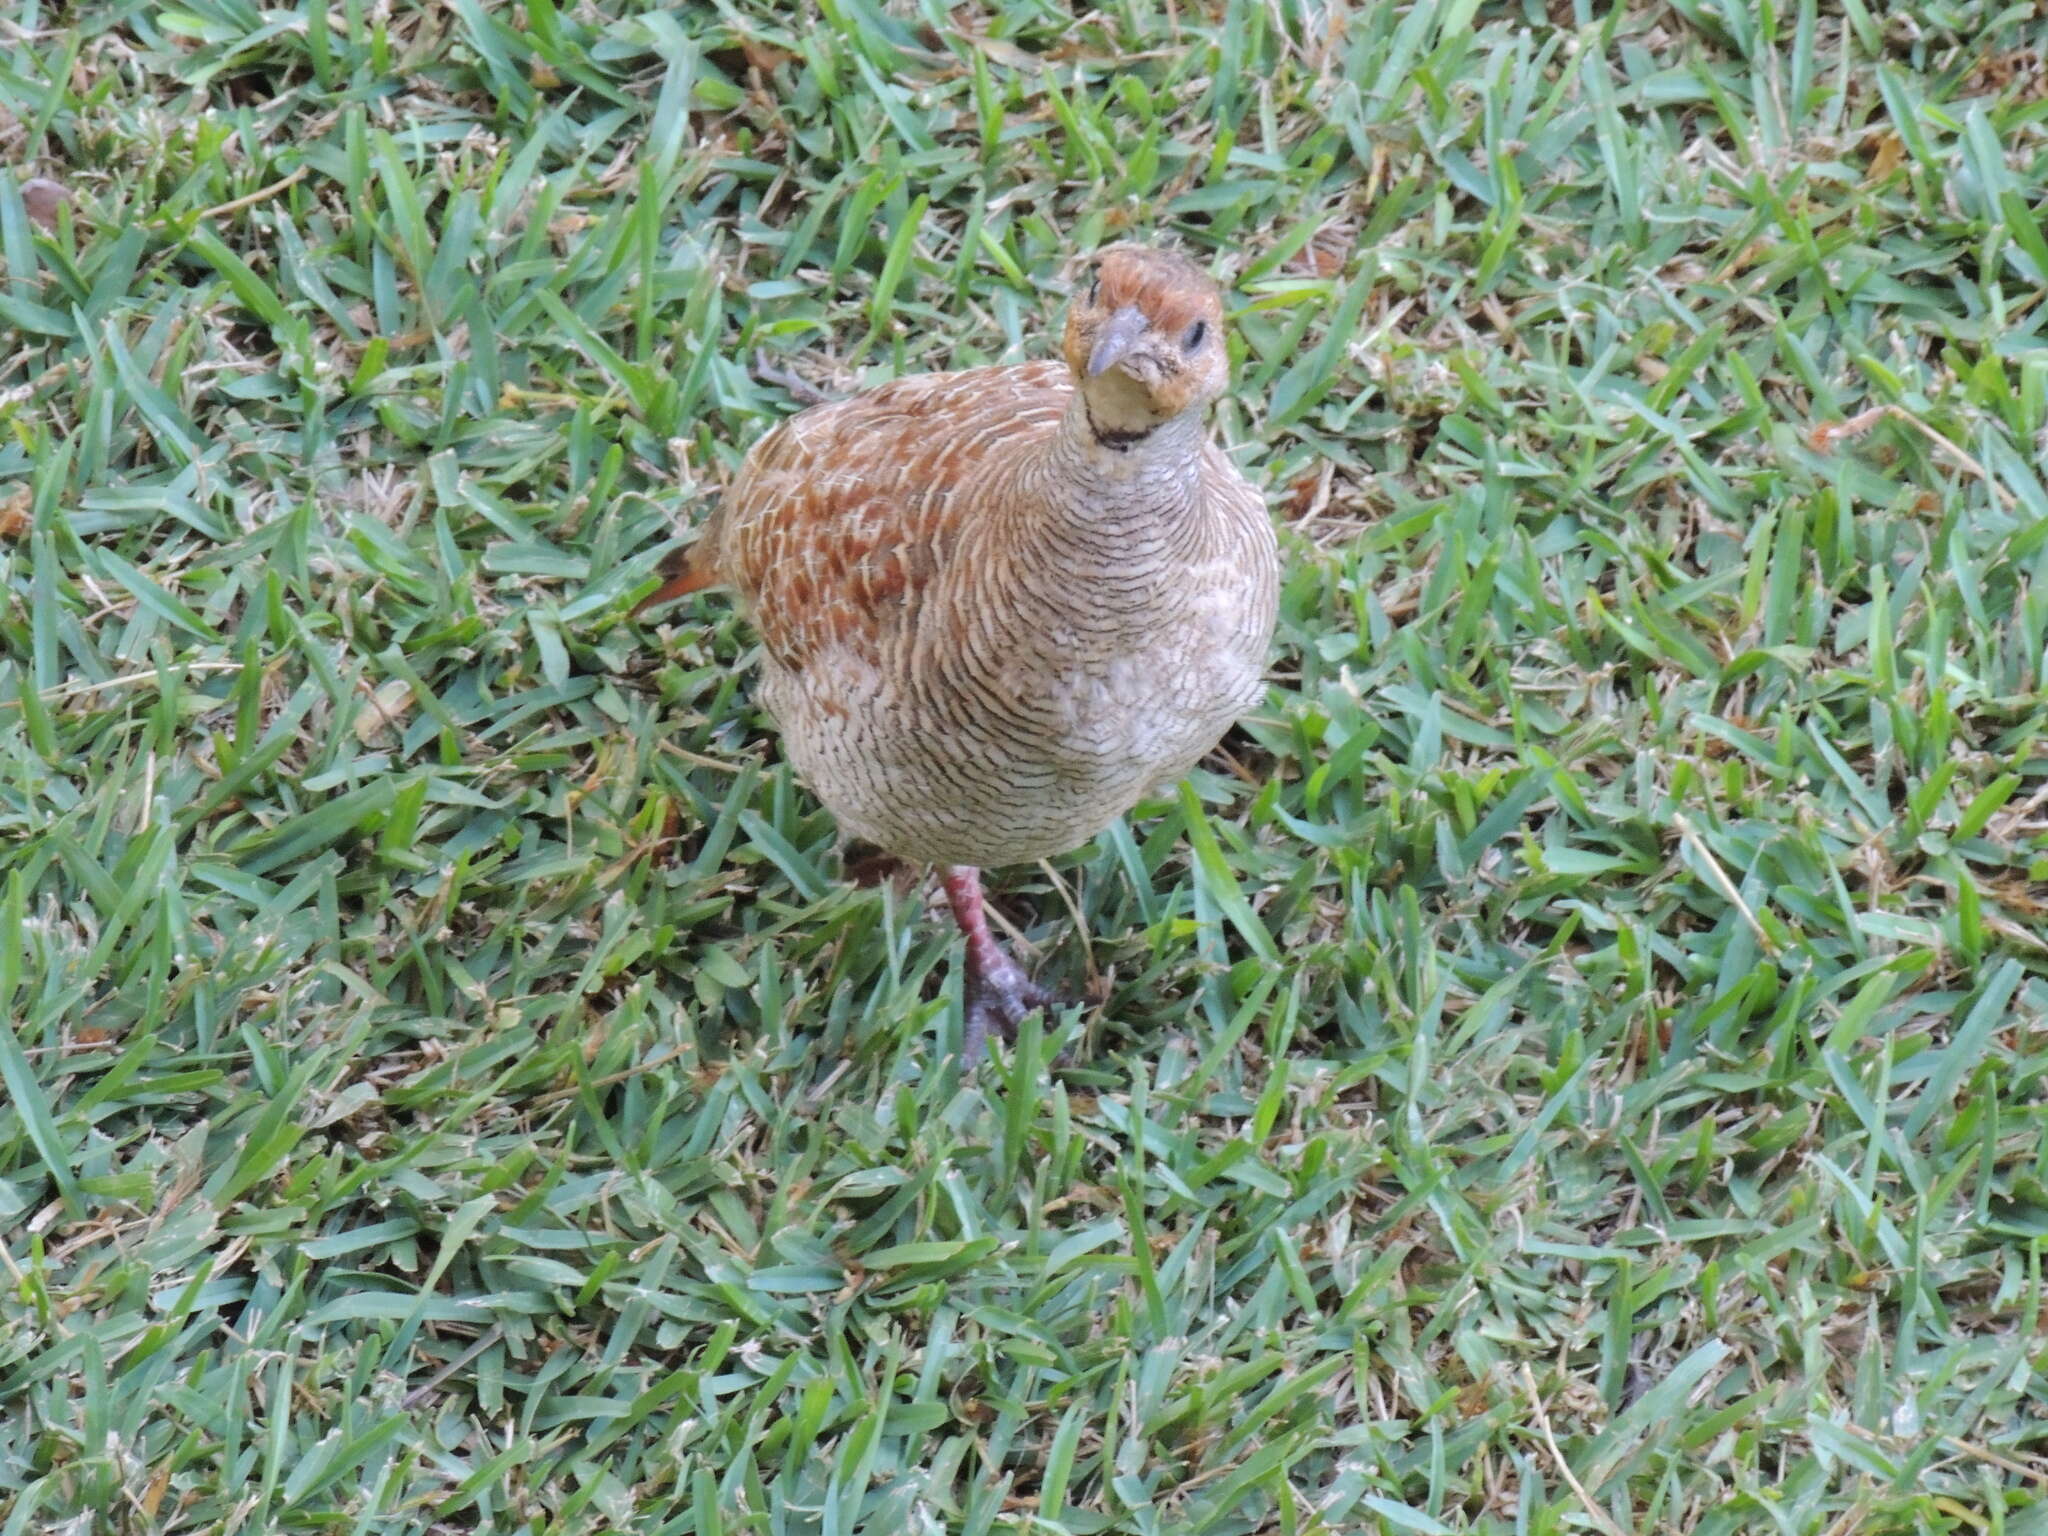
{"points": [[997, 1001]]}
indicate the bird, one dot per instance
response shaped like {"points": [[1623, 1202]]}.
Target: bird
{"points": [[997, 607]]}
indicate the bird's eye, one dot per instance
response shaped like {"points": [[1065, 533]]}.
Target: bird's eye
{"points": [[1095, 288], [1196, 332]]}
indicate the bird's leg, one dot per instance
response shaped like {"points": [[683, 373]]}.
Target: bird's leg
{"points": [[998, 993]]}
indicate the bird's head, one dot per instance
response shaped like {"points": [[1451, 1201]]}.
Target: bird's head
{"points": [[1145, 340]]}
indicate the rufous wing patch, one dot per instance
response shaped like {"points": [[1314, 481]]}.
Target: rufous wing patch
{"points": [[844, 516]]}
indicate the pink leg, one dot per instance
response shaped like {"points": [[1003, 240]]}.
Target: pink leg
{"points": [[998, 993]]}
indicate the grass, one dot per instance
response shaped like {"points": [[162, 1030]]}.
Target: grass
{"points": [[1587, 1073]]}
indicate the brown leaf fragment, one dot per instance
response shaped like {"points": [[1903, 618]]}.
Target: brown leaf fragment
{"points": [[1826, 434], [15, 502], [42, 198], [765, 57], [1890, 151], [389, 706]]}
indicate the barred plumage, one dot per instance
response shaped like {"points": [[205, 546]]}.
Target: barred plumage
{"points": [[998, 606]]}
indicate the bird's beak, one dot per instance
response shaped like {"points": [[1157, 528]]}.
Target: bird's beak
{"points": [[1118, 338]]}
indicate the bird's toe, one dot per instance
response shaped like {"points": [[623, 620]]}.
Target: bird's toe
{"points": [[999, 1004]]}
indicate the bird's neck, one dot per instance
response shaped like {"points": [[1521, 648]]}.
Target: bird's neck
{"points": [[1160, 465]]}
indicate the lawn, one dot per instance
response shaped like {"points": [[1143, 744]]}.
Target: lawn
{"points": [[1575, 1061]]}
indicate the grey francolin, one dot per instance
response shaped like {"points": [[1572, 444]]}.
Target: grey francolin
{"points": [[998, 606]]}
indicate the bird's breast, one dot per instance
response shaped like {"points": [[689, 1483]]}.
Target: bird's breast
{"points": [[1121, 674]]}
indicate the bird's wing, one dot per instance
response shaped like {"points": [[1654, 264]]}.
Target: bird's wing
{"points": [[843, 515]]}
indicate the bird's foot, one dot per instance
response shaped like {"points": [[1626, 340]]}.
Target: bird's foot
{"points": [[998, 997], [998, 994]]}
